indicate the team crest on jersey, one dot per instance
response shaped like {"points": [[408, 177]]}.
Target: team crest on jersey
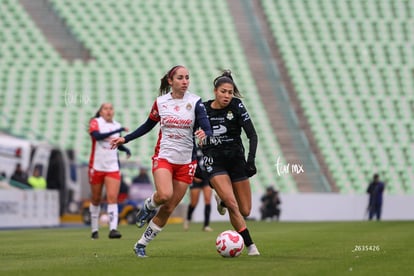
{"points": [[188, 106], [230, 115]]}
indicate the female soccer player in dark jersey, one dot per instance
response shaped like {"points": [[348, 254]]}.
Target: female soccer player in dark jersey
{"points": [[179, 113], [224, 154]]}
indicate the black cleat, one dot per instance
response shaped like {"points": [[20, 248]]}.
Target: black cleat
{"points": [[114, 234], [95, 235]]}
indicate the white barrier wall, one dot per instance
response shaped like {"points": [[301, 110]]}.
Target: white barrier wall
{"points": [[29, 208], [323, 207]]}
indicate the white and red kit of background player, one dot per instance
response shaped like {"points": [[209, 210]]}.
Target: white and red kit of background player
{"points": [[103, 160]]}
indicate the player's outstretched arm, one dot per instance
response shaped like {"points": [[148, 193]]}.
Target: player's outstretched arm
{"points": [[101, 136], [141, 130]]}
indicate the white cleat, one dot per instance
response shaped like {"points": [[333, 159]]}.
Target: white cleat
{"points": [[207, 229], [252, 250], [186, 225]]}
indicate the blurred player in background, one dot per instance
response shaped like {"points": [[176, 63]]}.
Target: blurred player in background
{"points": [[104, 168], [200, 183], [180, 114], [224, 155]]}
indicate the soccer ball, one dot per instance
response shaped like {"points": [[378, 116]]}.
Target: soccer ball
{"points": [[229, 243], [104, 219]]}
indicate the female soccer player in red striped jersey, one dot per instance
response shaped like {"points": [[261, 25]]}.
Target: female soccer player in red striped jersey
{"points": [[182, 117], [104, 168]]}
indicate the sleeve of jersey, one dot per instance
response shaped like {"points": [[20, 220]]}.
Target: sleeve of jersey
{"points": [[124, 149], [94, 131], [149, 124], [154, 114], [248, 127], [202, 118], [93, 126]]}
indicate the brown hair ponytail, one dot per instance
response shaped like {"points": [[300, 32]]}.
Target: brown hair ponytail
{"points": [[164, 85]]}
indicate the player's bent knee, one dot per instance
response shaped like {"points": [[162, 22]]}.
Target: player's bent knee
{"points": [[163, 197]]}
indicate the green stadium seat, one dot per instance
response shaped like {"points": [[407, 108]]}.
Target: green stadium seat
{"points": [[349, 65], [128, 64]]}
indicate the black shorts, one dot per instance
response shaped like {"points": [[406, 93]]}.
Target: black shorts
{"points": [[199, 185], [219, 163], [199, 174]]}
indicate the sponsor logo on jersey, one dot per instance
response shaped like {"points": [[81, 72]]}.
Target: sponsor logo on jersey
{"points": [[219, 129], [173, 122], [214, 140]]}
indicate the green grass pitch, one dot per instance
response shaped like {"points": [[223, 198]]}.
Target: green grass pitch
{"points": [[317, 248]]}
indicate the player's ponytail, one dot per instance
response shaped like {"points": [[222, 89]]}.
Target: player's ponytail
{"points": [[94, 117], [97, 115], [226, 77], [164, 86]]}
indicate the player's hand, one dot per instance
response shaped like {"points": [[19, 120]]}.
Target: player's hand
{"points": [[117, 142], [200, 134], [250, 168], [126, 129]]}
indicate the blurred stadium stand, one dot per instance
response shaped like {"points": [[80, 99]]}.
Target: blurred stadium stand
{"points": [[350, 65], [132, 44]]}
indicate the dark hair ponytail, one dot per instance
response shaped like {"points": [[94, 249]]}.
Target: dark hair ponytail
{"points": [[95, 116], [164, 85], [226, 77], [97, 113]]}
